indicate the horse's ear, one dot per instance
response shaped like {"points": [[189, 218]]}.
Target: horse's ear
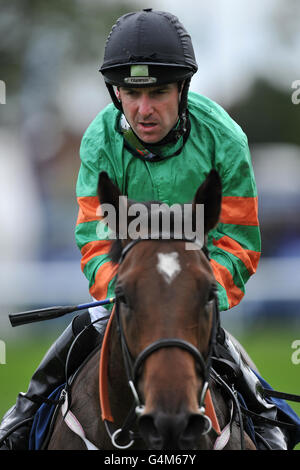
{"points": [[210, 194], [108, 192], [111, 204]]}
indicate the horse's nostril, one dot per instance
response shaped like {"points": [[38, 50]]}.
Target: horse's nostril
{"points": [[163, 431], [196, 426], [150, 433]]}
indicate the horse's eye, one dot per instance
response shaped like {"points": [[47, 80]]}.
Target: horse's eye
{"points": [[121, 296], [212, 293], [122, 299]]}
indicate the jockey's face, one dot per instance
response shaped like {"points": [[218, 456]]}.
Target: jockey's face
{"points": [[151, 112]]}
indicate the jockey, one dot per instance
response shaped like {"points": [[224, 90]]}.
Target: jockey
{"points": [[157, 141]]}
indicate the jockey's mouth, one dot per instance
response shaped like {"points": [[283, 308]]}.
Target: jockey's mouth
{"points": [[147, 125]]}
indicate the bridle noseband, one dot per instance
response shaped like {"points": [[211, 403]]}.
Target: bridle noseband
{"points": [[133, 367]]}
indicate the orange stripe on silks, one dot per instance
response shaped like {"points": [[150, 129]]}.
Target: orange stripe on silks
{"points": [[248, 257], [239, 210], [92, 249], [89, 209], [104, 275], [223, 277]]}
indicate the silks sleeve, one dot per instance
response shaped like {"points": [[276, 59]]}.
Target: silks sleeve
{"points": [[235, 244], [92, 241]]}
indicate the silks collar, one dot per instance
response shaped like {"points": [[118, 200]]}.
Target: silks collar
{"points": [[156, 152]]}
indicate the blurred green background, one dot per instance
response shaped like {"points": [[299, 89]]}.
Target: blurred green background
{"points": [[50, 53]]}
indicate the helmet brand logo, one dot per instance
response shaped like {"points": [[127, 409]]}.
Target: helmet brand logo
{"points": [[139, 80], [139, 75]]}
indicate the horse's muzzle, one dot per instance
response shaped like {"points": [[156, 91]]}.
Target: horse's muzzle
{"points": [[162, 431]]}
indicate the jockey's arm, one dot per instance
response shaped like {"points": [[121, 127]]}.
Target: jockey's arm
{"points": [[93, 242], [235, 243]]}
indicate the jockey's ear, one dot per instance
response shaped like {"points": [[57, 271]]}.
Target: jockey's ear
{"points": [[210, 194]]}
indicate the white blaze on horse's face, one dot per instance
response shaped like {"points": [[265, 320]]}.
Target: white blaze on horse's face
{"points": [[168, 265]]}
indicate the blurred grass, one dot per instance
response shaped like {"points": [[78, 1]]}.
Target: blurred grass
{"points": [[22, 358], [270, 348]]}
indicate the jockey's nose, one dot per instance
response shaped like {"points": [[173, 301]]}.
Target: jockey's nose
{"points": [[145, 106]]}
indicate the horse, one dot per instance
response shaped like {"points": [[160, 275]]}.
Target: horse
{"points": [[159, 346]]}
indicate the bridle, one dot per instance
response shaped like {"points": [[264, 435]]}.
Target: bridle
{"points": [[133, 367]]}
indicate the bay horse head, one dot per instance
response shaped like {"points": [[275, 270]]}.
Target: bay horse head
{"points": [[165, 300]]}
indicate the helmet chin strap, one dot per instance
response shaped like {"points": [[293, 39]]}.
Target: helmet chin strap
{"points": [[177, 131], [114, 98]]}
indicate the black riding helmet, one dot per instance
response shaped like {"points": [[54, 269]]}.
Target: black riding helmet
{"points": [[149, 48]]}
